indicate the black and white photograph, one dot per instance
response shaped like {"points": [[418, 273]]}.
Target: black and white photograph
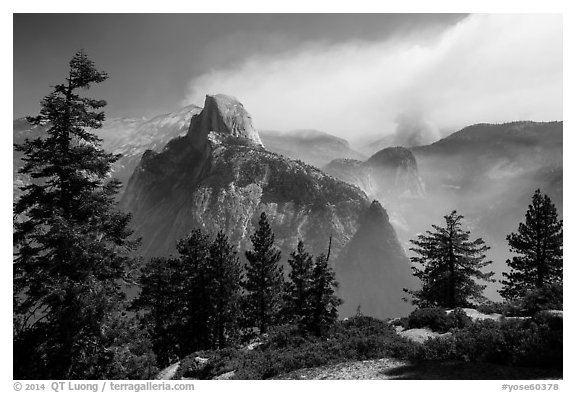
{"points": [[286, 196]]}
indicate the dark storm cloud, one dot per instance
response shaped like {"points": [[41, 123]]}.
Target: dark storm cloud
{"points": [[350, 74], [151, 57], [485, 68]]}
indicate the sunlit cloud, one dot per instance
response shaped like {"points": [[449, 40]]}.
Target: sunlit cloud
{"points": [[486, 68]]}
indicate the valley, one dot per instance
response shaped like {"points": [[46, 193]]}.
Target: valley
{"points": [[485, 172]]}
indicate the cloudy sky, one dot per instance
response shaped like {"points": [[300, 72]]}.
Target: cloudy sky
{"points": [[350, 75]]}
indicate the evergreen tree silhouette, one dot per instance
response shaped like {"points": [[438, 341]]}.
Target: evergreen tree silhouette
{"points": [[450, 266], [227, 275], [538, 244], [264, 278], [299, 283], [71, 242], [322, 307]]}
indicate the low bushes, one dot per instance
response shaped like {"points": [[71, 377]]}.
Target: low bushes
{"points": [[402, 322], [491, 307], [437, 319], [535, 342], [288, 349], [548, 297]]}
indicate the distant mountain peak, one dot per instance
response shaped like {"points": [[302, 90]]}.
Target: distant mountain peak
{"points": [[314, 147], [393, 157], [182, 113], [312, 135], [224, 116], [506, 138], [219, 177], [390, 173]]}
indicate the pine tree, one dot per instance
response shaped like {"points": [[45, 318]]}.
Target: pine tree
{"points": [[298, 287], [264, 277], [176, 300], [322, 304], [162, 283], [197, 296], [226, 287], [190, 303], [539, 245], [450, 266], [71, 242], [132, 353]]}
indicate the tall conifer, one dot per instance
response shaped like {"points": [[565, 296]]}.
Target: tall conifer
{"points": [[190, 303], [298, 285], [322, 302], [538, 244], [71, 242], [450, 266], [264, 277], [226, 288]]}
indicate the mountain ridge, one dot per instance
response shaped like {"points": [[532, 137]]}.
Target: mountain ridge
{"points": [[486, 171], [311, 146], [226, 181]]}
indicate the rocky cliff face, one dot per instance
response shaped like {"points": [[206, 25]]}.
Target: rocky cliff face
{"points": [[132, 137], [395, 172], [225, 117], [219, 176], [390, 174], [391, 177], [371, 273]]}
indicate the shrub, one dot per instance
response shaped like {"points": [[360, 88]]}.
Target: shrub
{"points": [[367, 325], [548, 297], [514, 308], [481, 341], [401, 322], [358, 338], [529, 342], [552, 321], [491, 307], [459, 319], [440, 348], [431, 317], [535, 342], [190, 368], [287, 336], [437, 319]]}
